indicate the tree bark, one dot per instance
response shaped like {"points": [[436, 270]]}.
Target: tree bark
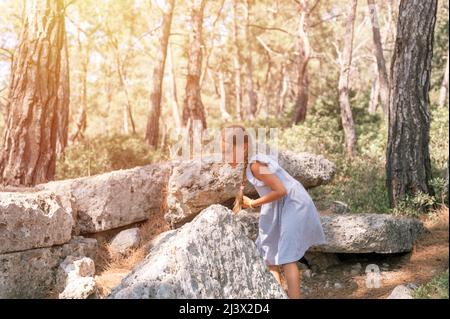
{"points": [[444, 87], [283, 88], [64, 101], [154, 114], [173, 87], [378, 52], [304, 52], [374, 92], [31, 130], [81, 122], [252, 100], [237, 64], [408, 160], [223, 97], [344, 76], [193, 109]]}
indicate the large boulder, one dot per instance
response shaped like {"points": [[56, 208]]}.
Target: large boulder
{"points": [[32, 220], [369, 233], [32, 273], [114, 199], [210, 257], [355, 233], [310, 169], [198, 183]]}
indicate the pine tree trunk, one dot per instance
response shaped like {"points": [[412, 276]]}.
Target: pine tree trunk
{"points": [[173, 87], [237, 64], [304, 52], [64, 101], [31, 132], [154, 114], [252, 100], [193, 109], [378, 52], [444, 87], [223, 97], [344, 76], [408, 160], [81, 122]]}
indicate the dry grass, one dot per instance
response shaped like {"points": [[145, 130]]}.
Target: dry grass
{"points": [[114, 267]]}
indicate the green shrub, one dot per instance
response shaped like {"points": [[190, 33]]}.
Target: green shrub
{"points": [[104, 154]]}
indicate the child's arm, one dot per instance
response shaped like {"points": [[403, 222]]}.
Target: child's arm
{"points": [[262, 173]]}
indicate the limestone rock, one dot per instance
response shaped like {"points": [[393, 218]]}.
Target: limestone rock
{"points": [[79, 288], [401, 292], [369, 233], [75, 278], [355, 233], [210, 257], [125, 241], [198, 183], [32, 220], [250, 220], [113, 199], [310, 169], [32, 273]]}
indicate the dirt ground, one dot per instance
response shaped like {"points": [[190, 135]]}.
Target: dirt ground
{"points": [[428, 259]]}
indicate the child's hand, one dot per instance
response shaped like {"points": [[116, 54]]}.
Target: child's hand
{"points": [[246, 202]]}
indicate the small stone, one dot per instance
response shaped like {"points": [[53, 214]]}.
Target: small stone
{"points": [[338, 285], [85, 267], [125, 241], [338, 207], [385, 265], [307, 273], [401, 292], [79, 288], [75, 278], [354, 272], [357, 266]]}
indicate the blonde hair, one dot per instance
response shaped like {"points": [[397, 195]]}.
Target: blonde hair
{"points": [[226, 136]]}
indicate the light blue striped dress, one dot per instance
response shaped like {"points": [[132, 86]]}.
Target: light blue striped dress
{"points": [[290, 225]]}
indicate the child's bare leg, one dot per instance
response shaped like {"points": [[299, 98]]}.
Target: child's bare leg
{"points": [[293, 280], [275, 271]]}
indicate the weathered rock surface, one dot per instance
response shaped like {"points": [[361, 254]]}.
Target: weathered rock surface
{"points": [[211, 257], [196, 184], [369, 233], [32, 220], [75, 278], [250, 220], [125, 241], [113, 199], [310, 169], [355, 233], [79, 288], [32, 273], [401, 292]]}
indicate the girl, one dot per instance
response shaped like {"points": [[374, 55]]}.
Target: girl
{"points": [[289, 223]]}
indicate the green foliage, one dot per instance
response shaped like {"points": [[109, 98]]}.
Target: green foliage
{"points": [[437, 288], [359, 182], [414, 206], [104, 154], [439, 140]]}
